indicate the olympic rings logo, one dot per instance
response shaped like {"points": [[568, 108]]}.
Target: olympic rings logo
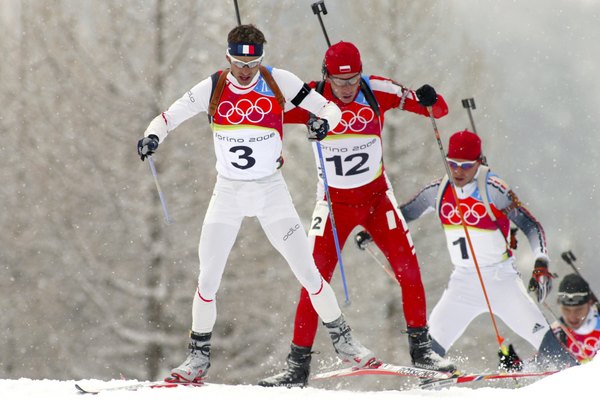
{"points": [[586, 349], [471, 214], [245, 109], [354, 122]]}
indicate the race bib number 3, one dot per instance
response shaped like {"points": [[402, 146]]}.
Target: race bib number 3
{"points": [[247, 153]]}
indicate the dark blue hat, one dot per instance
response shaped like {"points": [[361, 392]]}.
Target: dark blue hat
{"points": [[573, 290]]}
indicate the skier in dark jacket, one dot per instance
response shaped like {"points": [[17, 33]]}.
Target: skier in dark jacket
{"points": [[579, 325]]}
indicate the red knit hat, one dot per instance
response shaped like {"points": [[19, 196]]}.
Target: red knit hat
{"points": [[464, 145], [342, 58]]}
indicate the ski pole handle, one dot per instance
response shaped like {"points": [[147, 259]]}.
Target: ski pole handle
{"points": [[168, 218], [470, 104], [237, 12], [569, 258], [318, 8]]}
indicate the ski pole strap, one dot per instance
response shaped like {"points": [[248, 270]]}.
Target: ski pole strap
{"points": [[470, 104]]}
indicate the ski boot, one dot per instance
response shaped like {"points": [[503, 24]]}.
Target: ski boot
{"points": [[422, 355], [196, 365], [296, 374], [347, 348], [509, 360]]}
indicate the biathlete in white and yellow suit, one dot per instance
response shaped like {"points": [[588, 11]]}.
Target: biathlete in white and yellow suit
{"points": [[463, 300]]}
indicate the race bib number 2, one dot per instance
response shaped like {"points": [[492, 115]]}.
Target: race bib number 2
{"points": [[319, 219]]}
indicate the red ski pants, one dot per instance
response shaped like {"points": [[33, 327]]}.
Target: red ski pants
{"points": [[382, 219]]}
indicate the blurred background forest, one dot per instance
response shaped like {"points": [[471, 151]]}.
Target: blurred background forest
{"points": [[94, 284]]}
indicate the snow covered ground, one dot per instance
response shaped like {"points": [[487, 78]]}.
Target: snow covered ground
{"points": [[572, 383]]}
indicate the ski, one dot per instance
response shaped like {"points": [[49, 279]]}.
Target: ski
{"points": [[385, 369], [468, 378], [131, 386]]}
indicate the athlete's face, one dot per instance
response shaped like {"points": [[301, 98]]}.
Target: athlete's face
{"points": [[345, 86], [574, 316], [463, 171], [244, 68]]}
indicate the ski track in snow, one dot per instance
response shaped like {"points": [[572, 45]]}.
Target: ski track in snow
{"points": [[572, 383]]}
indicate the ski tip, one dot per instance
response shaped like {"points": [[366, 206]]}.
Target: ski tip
{"points": [[436, 384], [84, 391]]}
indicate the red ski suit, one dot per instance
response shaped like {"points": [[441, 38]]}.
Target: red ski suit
{"points": [[362, 195]]}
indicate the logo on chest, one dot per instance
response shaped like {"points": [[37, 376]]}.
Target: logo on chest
{"points": [[355, 120], [472, 213], [245, 110]]}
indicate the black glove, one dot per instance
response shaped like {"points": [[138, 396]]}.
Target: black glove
{"points": [[427, 96], [317, 128], [363, 239], [509, 360], [541, 280], [148, 145]]}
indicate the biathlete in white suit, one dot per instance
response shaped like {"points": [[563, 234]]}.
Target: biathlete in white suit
{"points": [[247, 126], [463, 299]]}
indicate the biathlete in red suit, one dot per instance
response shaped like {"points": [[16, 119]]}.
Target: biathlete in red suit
{"points": [[361, 195]]}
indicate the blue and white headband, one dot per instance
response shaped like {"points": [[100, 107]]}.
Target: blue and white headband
{"points": [[245, 49]]}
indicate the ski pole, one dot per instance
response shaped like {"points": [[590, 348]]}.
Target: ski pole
{"points": [[318, 8], [570, 258], [499, 338], [237, 12], [333, 228], [160, 194], [469, 104], [364, 242]]}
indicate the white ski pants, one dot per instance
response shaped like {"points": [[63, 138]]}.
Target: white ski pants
{"points": [[463, 301], [269, 200]]}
